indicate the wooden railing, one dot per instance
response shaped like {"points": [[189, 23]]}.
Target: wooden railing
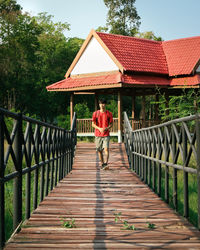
{"points": [[84, 126], [34, 157], [162, 154], [139, 123]]}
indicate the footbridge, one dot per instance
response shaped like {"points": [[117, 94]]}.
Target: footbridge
{"points": [[54, 195]]}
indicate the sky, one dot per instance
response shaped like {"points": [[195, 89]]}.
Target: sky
{"points": [[169, 19]]}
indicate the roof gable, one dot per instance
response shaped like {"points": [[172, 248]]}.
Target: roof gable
{"points": [[92, 35], [182, 55], [94, 59]]}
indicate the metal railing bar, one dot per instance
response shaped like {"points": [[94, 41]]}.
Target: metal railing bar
{"points": [[51, 151], [187, 118], [153, 150], [186, 169]]}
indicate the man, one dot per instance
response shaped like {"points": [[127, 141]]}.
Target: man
{"points": [[102, 121]]}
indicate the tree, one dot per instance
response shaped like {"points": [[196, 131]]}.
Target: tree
{"points": [[122, 17], [185, 104], [55, 55], [18, 48], [148, 35]]}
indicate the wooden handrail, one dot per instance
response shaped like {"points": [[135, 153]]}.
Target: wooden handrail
{"points": [[84, 125], [29, 146], [169, 147]]}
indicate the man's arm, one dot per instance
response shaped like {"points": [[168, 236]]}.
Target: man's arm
{"points": [[95, 126], [109, 126]]}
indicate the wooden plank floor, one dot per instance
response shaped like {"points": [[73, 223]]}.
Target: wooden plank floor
{"points": [[91, 196]]}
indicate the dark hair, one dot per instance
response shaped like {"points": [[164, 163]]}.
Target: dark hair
{"points": [[102, 101]]}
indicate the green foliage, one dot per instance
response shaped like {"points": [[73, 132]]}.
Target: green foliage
{"points": [[117, 216], [63, 121], [112, 107], [34, 53], [102, 29], [17, 51], [148, 35], [126, 226], [151, 225], [68, 223], [185, 104], [122, 17], [82, 110]]}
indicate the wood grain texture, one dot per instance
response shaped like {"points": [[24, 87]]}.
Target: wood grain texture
{"points": [[91, 196]]}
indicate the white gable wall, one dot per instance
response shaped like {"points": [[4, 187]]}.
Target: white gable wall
{"points": [[198, 69], [94, 59]]}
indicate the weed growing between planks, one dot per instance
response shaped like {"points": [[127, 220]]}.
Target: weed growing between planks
{"points": [[68, 223], [127, 226]]}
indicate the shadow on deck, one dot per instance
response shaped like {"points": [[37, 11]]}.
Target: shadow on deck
{"points": [[91, 196]]}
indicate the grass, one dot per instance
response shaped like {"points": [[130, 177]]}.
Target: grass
{"points": [[92, 139], [192, 193], [9, 187]]}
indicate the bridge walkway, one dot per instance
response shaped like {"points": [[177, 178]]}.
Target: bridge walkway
{"points": [[93, 199]]}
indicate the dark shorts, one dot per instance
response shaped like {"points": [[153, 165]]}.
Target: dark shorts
{"points": [[102, 142]]}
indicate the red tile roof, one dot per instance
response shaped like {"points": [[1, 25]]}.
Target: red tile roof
{"points": [[169, 63], [182, 55], [185, 81], [69, 82], [136, 54], [118, 78], [175, 57]]}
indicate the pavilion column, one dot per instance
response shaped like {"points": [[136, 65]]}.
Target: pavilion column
{"points": [[119, 117], [167, 103], [133, 111], [156, 116], [71, 107], [133, 106], [96, 102], [143, 111], [195, 102]]}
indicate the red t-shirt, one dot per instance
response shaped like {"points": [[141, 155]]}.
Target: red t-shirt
{"points": [[102, 120]]}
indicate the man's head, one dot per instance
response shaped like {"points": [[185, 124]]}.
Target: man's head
{"points": [[102, 101], [102, 104]]}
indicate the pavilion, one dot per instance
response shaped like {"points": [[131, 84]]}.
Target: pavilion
{"points": [[123, 65]]}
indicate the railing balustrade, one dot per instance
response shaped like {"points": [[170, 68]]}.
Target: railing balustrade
{"points": [[163, 154], [34, 157], [84, 126]]}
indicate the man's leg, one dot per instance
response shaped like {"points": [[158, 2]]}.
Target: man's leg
{"points": [[99, 148], [106, 154], [106, 150], [101, 157]]}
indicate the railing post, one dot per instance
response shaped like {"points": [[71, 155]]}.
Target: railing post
{"points": [[17, 193], [56, 154], [159, 165], [131, 149], [36, 174], [198, 165], [175, 201], [28, 175], [166, 146], [2, 185], [185, 174]]}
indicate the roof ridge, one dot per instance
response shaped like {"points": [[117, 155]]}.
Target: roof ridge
{"points": [[130, 37], [182, 39]]}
